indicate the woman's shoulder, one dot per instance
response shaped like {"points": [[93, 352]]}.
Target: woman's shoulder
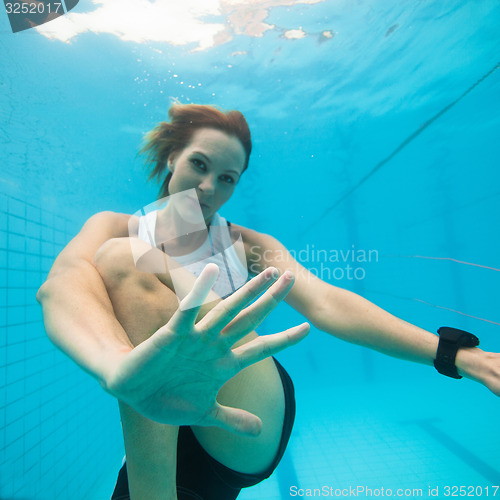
{"points": [[107, 216], [251, 238], [116, 223], [236, 231]]}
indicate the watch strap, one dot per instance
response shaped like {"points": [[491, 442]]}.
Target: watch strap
{"points": [[450, 341]]}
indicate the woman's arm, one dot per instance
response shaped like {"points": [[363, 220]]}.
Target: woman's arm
{"points": [[80, 319], [350, 317], [77, 311]]}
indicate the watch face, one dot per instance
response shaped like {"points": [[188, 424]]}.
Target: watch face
{"points": [[456, 336], [450, 341], [473, 341]]}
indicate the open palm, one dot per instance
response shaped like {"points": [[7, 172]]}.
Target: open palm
{"points": [[175, 375]]}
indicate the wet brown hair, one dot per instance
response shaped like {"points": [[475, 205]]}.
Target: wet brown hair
{"points": [[185, 119]]}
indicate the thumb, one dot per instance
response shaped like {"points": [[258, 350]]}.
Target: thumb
{"points": [[236, 420]]}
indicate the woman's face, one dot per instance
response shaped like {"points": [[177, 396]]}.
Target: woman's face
{"points": [[212, 164]]}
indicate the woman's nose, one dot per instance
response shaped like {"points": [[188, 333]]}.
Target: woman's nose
{"points": [[207, 185]]}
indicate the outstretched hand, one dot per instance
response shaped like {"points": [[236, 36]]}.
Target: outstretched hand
{"points": [[174, 376], [489, 371]]}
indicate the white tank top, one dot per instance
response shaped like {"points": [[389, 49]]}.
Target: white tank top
{"points": [[218, 248]]}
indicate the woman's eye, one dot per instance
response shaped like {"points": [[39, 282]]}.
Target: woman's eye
{"points": [[227, 178], [199, 164]]}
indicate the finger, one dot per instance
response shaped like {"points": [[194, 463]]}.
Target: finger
{"points": [[190, 305], [251, 317], [228, 308], [268, 345], [234, 420]]}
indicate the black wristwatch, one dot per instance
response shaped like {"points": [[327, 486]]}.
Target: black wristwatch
{"points": [[450, 341]]}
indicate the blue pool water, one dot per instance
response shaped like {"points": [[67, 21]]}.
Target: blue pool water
{"points": [[375, 127]]}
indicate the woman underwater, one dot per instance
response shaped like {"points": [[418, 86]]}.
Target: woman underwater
{"points": [[111, 302]]}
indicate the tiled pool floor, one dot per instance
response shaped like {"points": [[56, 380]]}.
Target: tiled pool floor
{"points": [[386, 437]]}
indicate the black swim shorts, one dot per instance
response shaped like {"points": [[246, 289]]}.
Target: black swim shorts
{"points": [[201, 477]]}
